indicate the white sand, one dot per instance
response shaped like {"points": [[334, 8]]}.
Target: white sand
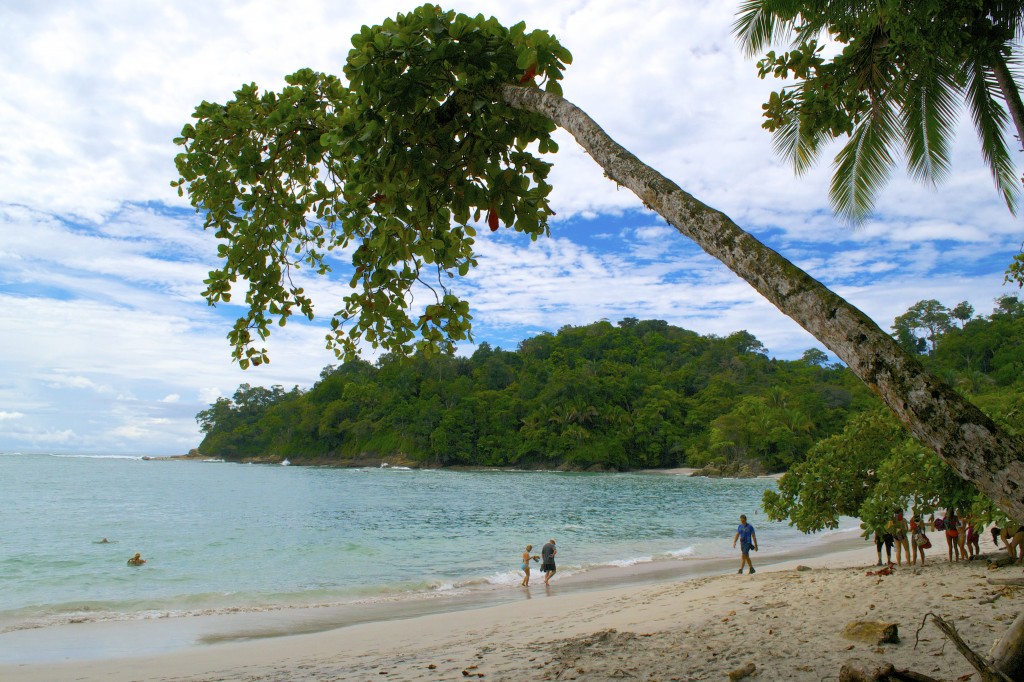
{"points": [[787, 622]]}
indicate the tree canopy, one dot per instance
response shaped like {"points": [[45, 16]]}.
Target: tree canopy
{"points": [[399, 162]]}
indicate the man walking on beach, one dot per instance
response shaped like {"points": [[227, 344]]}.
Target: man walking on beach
{"points": [[547, 560], [748, 539]]}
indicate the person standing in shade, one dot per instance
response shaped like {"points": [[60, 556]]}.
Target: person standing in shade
{"points": [[748, 540], [547, 560]]}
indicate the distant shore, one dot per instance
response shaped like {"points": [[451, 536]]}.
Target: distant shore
{"points": [[395, 461], [787, 620]]}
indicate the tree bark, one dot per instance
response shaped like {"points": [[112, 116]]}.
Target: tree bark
{"points": [[1008, 653], [1011, 95], [958, 431]]}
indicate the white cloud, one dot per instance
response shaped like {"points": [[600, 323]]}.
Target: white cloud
{"points": [[109, 345]]}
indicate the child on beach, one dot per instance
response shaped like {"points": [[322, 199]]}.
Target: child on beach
{"points": [[526, 565]]}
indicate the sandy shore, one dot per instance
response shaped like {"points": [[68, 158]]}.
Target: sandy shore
{"points": [[787, 622]]}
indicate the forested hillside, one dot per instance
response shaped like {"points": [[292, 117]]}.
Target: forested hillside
{"points": [[633, 395], [637, 394]]}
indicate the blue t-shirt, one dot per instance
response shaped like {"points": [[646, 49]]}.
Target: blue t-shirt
{"points": [[746, 532]]}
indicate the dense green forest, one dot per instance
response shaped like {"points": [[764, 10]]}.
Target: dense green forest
{"points": [[875, 466], [633, 395]]}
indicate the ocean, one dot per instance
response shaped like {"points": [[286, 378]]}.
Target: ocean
{"points": [[221, 538]]}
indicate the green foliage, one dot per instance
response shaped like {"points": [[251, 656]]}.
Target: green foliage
{"points": [[892, 87], [837, 476], [930, 317], [874, 467], [398, 163], [637, 395]]}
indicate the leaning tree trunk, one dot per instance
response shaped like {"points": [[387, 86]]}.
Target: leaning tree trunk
{"points": [[1008, 653], [958, 431], [1011, 94]]}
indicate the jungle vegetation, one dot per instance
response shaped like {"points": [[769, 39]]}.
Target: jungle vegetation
{"points": [[637, 394]]}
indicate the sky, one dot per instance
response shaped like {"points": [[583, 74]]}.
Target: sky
{"points": [[107, 345]]}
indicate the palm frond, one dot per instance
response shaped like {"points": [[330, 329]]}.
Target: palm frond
{"points": [[929, 119], [798, 143], [759, 23], [864, 164], [990, 120], [757, 26]]}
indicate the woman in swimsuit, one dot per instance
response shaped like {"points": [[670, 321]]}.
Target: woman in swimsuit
{"points": [[952, 526], [969, 549], [526, 565]]}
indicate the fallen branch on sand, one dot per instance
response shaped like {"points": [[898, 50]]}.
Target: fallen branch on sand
{"points": [[1005, 665], [1007, 662]]}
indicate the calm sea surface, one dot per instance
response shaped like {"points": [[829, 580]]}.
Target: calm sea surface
{"points": [[222, 537]]}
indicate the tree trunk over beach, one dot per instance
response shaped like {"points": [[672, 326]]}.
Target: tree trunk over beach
{"points": [[959, 432]]}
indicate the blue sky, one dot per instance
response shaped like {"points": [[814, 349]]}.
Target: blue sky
{"points": [[107, 345]]}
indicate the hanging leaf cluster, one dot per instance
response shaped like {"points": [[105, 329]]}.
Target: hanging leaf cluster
{"points": [[396, 166]]}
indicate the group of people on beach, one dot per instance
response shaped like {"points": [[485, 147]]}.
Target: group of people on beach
{"points": [[962, 534], [546, 558]]}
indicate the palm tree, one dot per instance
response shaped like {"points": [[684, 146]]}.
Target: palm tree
{"points": [[898, 80]]}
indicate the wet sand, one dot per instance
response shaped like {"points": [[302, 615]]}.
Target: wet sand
{"points": [[666, 620]]}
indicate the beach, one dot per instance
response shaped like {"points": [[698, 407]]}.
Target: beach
{"points": [[787, 620]]}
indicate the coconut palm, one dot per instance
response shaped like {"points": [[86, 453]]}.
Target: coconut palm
{"points": [[896, 83]]}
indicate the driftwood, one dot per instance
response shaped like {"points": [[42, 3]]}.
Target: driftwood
{"points": [[1001, 561], [1008, 653], [990, 670], [1006, 581], [1005, 664], [880, 672]]}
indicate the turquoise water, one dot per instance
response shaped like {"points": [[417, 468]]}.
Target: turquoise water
{"points": [[223, 537]]}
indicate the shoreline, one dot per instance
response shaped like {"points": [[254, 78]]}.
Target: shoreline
{"points": [[163, 632], [399, 461], [787, 620]]}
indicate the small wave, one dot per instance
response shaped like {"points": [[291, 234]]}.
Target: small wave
{"points": [[623, 563], [508, 578], [685, 551], [93, 456]]}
